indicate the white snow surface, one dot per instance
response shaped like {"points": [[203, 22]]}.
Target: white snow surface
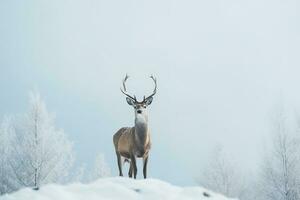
{"points": [[113, 189]]}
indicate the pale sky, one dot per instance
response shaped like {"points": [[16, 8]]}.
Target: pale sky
{"points": [[221, 66]]}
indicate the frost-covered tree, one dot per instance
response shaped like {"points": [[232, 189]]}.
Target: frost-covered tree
{"points": [[7, 178], [280, 179], [100, 169], [221, 175], [79, 174], [42, 153]]}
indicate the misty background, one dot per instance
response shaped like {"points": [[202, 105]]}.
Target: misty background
{"points": [[220, 65]]}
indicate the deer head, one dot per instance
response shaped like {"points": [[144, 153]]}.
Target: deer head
{"points": [[139, 106]]}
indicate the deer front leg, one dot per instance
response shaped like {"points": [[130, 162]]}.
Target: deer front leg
{"points": [[145, 162], [133, 163], [130, 170], [119, 163]]}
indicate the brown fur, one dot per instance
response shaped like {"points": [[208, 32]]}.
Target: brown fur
{"points": [[128, 146]]}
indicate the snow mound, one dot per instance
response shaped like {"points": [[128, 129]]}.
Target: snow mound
{"points": [[113, 189]]}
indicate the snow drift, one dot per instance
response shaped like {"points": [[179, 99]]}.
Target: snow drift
{"points": [[113, 189]]}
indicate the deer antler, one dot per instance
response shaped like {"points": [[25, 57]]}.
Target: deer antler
{"points": [[124, 91], [155, 86]]}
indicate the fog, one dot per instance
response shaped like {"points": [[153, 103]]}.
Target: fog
{"points": [[221, 67]]}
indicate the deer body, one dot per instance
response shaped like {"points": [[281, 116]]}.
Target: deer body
{"points": [[134, 142], [128, 140]]}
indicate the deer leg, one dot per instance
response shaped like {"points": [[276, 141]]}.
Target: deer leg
{"points": [[130, 170], [145, 162], [119, 163], [133, 162]]}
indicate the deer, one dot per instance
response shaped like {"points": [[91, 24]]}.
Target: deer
{"points": [[134, 142]]}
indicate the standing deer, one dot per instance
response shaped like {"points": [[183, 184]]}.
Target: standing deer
{"points": [[132, 142]]}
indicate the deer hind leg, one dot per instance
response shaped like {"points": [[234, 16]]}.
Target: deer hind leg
{"points": [[130, 170], [134, 167], [145, 162], [119, 163]]}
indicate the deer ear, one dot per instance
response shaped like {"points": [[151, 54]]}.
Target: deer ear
{"points": [[149, 101], [129, 101]]}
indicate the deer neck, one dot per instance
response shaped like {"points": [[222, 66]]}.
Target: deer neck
{"points": [[141, 128]]}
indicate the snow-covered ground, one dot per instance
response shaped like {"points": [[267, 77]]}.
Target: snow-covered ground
{"points": [[115, 188]]}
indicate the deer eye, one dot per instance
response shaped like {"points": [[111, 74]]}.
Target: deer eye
{"points": [[144, 106]]}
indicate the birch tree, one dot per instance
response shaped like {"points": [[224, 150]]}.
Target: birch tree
{"points": [[100, 169], [42, 153], [222, 176], [280, 178], [7, 178]]}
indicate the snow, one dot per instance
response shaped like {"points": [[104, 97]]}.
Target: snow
{"points": [[113, 189]]}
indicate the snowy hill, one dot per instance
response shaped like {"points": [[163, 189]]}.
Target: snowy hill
{"points": [[115, 188]]}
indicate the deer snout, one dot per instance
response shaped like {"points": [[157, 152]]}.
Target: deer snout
{"points": [[139, 111]]}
